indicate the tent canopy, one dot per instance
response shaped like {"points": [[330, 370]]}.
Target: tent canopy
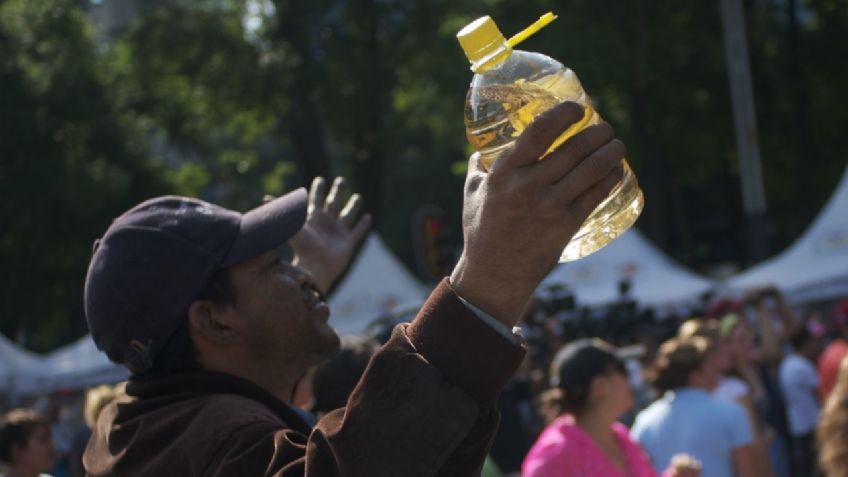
{"points": [[18, 368], [655, 278], [376, 284], [13, 356], [815, 267], [77, 365]]}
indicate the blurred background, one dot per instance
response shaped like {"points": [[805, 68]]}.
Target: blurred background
{"points": [[105, 103]]}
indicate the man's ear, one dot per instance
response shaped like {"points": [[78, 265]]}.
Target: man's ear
{"points": [[213, 323]]}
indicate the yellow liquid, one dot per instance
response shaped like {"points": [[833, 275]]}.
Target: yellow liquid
{"points": [[496, 115]]}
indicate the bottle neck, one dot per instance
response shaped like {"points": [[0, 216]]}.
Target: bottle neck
{"points": [[497, 56]]}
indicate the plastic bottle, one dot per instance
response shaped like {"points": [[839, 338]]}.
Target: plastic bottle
{"points": [[509, 89]]}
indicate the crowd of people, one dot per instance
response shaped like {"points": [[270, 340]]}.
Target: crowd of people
{"points": [[746, 389], [743, 387], [235, 369]]}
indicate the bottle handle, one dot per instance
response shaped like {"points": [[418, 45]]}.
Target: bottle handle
{"points": [[530, 30]]}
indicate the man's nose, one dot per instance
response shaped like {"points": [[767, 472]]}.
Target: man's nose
{"points": [[302, 276]]}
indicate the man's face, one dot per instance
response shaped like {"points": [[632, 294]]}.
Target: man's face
{"points": [[743, 344], [711, 369], [38, 453], [284, 316]]}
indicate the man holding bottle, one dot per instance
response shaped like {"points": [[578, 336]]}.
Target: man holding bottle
{"points": [[218, 331]]}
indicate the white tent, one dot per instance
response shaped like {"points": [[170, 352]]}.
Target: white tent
{"points": [[815, 267], [18, 369], [376, 284], [14, 356], [79, 365], [655, 278]]}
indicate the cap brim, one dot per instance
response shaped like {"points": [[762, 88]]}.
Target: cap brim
{"points": [[268, 226]]}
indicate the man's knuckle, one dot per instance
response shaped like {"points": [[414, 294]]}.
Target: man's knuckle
{"points": [[618, 173], [621, 148], [606, 131], [599, 167], [543, 131], [579, 145], [576, 110], [607, 158]]}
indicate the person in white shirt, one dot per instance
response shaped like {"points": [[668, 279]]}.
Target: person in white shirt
{"points": [[799, 382]]}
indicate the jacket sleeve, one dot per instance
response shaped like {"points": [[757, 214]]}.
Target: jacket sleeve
{"points": [[425, 406]]}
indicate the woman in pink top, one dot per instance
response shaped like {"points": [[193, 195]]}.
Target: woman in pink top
{"points": [[591, 392]]}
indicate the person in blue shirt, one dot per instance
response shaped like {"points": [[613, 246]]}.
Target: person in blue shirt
{"points": [[688, 419]]}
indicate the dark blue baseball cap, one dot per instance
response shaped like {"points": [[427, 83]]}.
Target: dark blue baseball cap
{"points": [[158, 258]]}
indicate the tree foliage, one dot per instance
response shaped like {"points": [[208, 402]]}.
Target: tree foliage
{"points": [[192, 99], [71, 162]]}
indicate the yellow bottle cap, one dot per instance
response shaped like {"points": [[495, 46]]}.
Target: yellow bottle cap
{"points": [[481, 39], [485, 45]]}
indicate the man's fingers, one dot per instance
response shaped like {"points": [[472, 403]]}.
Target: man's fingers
{"points": [[569, 155], [334, 198], [317, 193], [541, 133], [589, 171], [361, 227], [351, 210], [589, 200]]}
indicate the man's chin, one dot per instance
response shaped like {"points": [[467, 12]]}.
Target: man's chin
{"points": [[328, 342]]}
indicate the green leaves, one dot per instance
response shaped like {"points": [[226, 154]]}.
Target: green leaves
{"points": [[71, 163], [186, 101]]}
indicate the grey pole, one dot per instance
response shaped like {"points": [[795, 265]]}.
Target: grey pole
{"points": [[745, 125]]}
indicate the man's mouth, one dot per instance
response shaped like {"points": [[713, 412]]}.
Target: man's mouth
{"points": [[311, 295]]}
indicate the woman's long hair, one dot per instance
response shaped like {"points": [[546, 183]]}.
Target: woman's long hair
{"points": [[832, 433]]}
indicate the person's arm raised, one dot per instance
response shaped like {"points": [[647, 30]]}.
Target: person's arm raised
{"points": [[518, 217]]}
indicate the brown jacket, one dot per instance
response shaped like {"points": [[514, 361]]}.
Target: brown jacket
{"points": [[424, 407]]}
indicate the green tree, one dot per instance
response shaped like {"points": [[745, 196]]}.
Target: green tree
{"points": [[71, 162], [188, 100], [207, 100]]}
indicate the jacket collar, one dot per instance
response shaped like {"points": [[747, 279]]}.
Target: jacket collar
{"points": [[180, 386]]}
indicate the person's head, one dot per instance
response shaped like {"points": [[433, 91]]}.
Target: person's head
{"points": [[839, 320], [721, 306], [335, 378], [97, 398], [805, 343], [586, 375], [685, 362], [26, 442], [739, 338], [708, 329], [831, 434], [177, 284]]}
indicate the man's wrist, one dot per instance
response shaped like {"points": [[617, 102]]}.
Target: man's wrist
{"points": [[514, 335], [502, 302]]}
